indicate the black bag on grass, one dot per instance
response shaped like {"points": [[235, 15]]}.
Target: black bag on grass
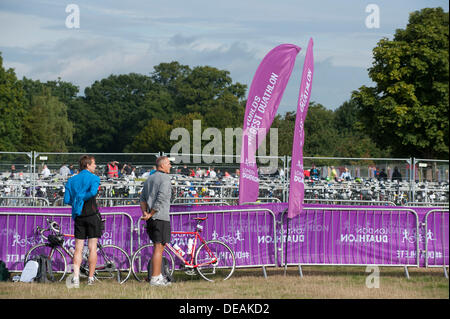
{"points": [[4, 272], [45, 272]]}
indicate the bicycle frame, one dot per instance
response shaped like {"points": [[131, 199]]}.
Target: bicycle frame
{"points": [[197, 238], [71, 255]]}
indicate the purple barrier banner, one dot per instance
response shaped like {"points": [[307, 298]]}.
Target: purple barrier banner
{"points": [[249, 231], [364, 236], [241, 230], [322, 234], [436, 237], [18, 231]]}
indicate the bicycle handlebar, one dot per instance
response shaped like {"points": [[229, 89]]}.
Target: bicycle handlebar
{"points": [[53, 226]]}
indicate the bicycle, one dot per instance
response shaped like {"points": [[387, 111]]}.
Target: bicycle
{"points": [[112, 262], [213, 260]]}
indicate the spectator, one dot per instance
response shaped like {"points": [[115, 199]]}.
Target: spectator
{"points": [[64, 171], [212, 173], [334, 174], [45, 172], [382, 175], [155, 206], [112, 169], [314, 172], [346, 175], [281, 173], [71, 169], [13, 171], [153, 170], [133, 173], [146, 174], [81, 192], [185, 171], [306, 173], [396, 175]]}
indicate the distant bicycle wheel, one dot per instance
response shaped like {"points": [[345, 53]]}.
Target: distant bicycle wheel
{"points": [[55, 254], [215, 260], [141, 258], [113, 263]]}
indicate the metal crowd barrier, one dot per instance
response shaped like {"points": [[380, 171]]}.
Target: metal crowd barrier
{"points": [[233, 200], [338, 249], [20, 237], [349, 202], [437, 230], [107, 201], [19, 201], [427, 204]]}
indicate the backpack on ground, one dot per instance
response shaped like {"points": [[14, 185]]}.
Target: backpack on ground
{"points": [[165, 270], [30, 271], [38, 269], [4, 272], [45, 272]]}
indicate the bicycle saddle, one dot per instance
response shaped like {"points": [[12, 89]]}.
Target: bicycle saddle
{"points": [[200, 218]]}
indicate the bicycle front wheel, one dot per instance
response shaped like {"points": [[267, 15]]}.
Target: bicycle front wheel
{"points": [[113, 263], [215, 261], [55, 254], [141, 258]]}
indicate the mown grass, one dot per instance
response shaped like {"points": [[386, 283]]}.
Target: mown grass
{"points": [[317, 283]]}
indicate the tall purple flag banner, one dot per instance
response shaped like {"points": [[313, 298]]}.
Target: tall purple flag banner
{"points": [[265, 94], [297, 178]]}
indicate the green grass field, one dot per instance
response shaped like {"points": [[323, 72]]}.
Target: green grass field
{"points": [[318, 282]]}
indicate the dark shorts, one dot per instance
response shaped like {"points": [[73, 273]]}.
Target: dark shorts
{"points": [[158, 231], [88, 227]]}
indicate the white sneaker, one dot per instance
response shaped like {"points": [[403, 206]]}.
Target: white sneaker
{"points": [[159, 281], [75, 282], [91, 281]]}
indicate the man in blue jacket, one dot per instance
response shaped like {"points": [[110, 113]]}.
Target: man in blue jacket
{"points": [[80, 193]]}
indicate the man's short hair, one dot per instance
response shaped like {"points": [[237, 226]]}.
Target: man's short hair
{"points": [[85, 160], [160, 160]]}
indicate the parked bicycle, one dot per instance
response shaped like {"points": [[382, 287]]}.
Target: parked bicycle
{"points": [[213, 260], [113, 262]]}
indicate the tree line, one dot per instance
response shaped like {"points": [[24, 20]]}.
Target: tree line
{"points": [[405, 114]]}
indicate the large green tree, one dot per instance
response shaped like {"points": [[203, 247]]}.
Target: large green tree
{"points": [[407, 110], [46, 125], [12, 111], [112, 112]]}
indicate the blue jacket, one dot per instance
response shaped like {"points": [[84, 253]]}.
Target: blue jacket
{"points": [[80, 188]]}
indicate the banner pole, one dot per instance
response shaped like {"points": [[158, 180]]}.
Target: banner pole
{"points": [[285, 244]]}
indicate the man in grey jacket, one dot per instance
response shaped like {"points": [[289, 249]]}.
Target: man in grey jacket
{"points": [[155, 206]]}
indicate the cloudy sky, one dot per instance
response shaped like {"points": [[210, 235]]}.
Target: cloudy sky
{"points": [[120, 37]]}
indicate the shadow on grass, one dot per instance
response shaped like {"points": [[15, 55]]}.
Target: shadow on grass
{"points": [[340, 271]]}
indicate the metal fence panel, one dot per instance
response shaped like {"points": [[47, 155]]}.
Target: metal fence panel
{"points": [[18, 233], [351, 236], [436, 238], [250, 233]]}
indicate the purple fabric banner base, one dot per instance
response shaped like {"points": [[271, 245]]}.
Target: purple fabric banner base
{"points": [[322, 234]]}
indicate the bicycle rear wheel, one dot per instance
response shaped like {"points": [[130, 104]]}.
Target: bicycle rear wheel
{"points": [[215, 261], [113, 263], [141, 258], [55, 254]]}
